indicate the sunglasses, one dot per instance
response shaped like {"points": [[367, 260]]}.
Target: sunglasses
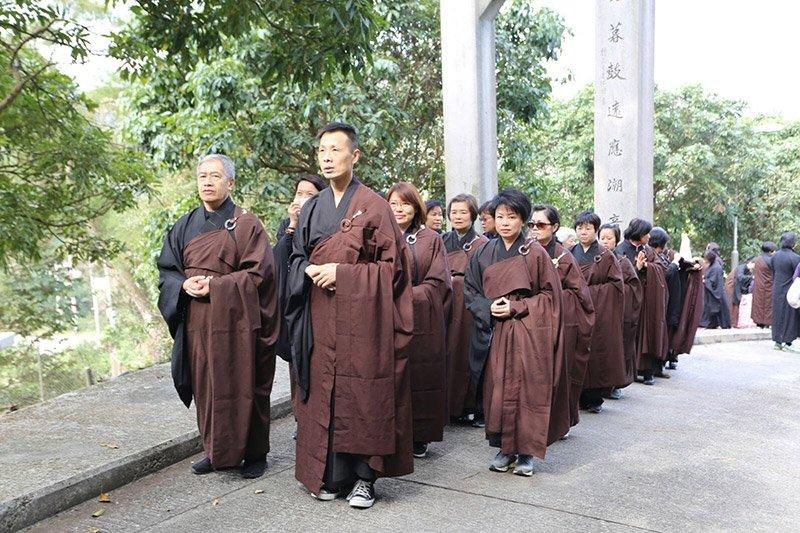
{"points": [[539, 225]]}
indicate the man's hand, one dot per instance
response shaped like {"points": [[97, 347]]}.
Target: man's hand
{"points": [[501, 308], [323, 276], [197, 286]]}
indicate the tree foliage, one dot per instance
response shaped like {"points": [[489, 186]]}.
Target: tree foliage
{"points": [[58, 171]]}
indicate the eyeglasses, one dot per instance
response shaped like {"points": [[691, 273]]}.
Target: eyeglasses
{"points": [[539, 225]]}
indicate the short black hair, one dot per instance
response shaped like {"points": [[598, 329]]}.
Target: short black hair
{"points": [[768, 247], [612, 227], [788, 240], [587, 217], [347, 129], [430, 204], [658, 237], [549, 211], [313, 179], [637, 228], [710, 256], [714, 247], [472, 205], [488, 206], [516, 201]]}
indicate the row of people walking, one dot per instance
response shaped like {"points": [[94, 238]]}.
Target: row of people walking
{"points": [[394, 330]]}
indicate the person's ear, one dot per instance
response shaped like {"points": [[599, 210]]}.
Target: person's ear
{"points": [[356, 155]]}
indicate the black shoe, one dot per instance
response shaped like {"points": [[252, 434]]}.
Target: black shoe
{"points": [[648, 381], [420, 449], [253, 468], [596, 409], [661, 375], [672, 365], [464, 420], [479, 422], [639, 378], [203, 466]]}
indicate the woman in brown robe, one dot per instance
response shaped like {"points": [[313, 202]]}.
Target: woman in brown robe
{"points": [[513, 291], [761, 312], [463, 392], [431, 290], [609, 237], [600, 268], [652, 331], [577, 311]]}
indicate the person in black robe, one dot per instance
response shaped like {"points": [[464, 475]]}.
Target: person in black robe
{"points": [[742, 278], [217, 295], [716, 311], [785, 318]]}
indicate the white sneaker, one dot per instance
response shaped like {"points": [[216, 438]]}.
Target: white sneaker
{"points": [[363, 494], [326, 495]]}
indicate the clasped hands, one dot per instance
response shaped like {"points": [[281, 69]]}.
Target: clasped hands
{"points": [[501, 308], [323, 276], [197, 286]]}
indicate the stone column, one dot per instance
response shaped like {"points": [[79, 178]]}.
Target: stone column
{"points": [[623, 112], [469, 97]]}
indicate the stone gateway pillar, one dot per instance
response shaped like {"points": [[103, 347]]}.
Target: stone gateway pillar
{"points": [[469, 97], [623, 110]]}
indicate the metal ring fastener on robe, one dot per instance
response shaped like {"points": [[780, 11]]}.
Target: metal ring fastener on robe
{"points": [[468, 246], [412, 238], [347, 223], [525, 248], [230, 224]]}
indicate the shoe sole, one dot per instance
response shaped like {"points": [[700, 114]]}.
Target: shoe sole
{"points": [[523, 473], [421, 455], [253, 476], [325, 497], [361, 504]]}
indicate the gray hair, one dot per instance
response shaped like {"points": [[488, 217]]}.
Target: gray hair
{"points": [[228, 167]]}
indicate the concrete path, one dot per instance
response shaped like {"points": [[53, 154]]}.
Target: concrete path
{"points": [[60, 452], [713, 448]]}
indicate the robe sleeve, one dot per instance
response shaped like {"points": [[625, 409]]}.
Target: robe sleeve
{"points": [[436, 284], [171, 298], [544, 304], [475, 301], [714, 282], [633, 291]]}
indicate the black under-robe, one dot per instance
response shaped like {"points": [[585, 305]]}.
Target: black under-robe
{"points": [[716, 309], [453, 242], [742, 280], [172, 300], [785, 319], [283, 252]]}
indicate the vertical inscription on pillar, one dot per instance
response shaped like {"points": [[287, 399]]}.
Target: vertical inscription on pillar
{"points": [[616, 110]]}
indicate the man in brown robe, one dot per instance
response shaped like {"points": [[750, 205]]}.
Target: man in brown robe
{"points": [[217, 295], [600, 268], [577, 311], [350, 315], [761, 311]]}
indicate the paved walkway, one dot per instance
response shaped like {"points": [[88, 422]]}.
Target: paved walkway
{"points": [[714, 448]]}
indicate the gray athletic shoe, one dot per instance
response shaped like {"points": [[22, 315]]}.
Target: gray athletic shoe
{"points": [[524, 466], [502, 462]]}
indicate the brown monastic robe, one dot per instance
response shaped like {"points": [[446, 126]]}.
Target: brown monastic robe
{"points": [[682, 340], [630, 323], [358, 375], [653, 340], [761, 311], [578, 316], [427, 349], [520, 372], [600, 268], [461, 399], [230, 336]]}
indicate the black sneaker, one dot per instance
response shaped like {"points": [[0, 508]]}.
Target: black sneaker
{"points": [[649, 381], [363, 494], [254, 468], [524, 466], [672, 365], [203, 466], [420, 449], [596, 409], [615, 394], [479, 422]]}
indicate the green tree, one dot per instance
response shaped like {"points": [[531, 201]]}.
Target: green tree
{"points": [[58, 171]]}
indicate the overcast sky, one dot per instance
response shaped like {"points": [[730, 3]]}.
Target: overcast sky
{"points": [[739, 49], [736, 48]]}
